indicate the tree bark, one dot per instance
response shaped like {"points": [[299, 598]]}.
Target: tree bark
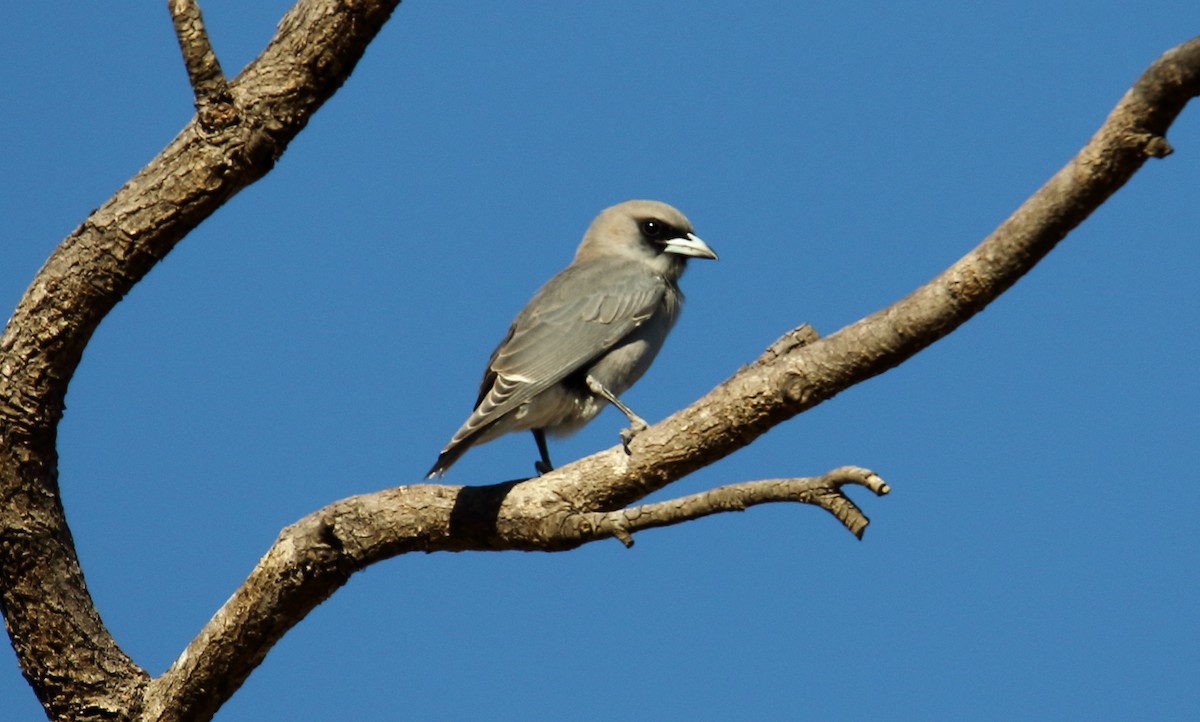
{"points": [[64, 649], [242, 126]]}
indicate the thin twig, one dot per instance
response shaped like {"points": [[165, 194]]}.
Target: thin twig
{"points": [[824, 491]]}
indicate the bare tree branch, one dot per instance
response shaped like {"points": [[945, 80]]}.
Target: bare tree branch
{"points": [[64, 649], [67, 654], [214, 103], [553, 512], [793, 378], [316, 555], [309, 561], [824, 491]]}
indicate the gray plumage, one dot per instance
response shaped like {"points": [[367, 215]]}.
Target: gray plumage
{"points": [[588, 334]]}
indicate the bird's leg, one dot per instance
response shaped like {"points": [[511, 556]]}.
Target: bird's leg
{"points": [[636, 423], [543, 466]]}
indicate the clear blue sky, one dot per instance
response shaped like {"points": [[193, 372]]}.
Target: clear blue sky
{"points": [[322, 335]]}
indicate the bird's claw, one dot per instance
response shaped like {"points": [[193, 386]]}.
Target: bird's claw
{"points": [[542, 467], [636, 427]]}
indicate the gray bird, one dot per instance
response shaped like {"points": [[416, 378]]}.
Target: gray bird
{"points": [[588, 334]]}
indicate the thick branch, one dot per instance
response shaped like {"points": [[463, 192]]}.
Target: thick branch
{"points": [[64, 649], [793, 377], [42, 591], [309, 561], [318, 554]]}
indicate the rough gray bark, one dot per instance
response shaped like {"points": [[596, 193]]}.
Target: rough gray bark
{"points": [[242, 126]]}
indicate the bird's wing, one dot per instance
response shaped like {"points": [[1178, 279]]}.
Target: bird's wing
{"points": [[578, 315]]}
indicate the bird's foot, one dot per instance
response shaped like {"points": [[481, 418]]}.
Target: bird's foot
{"points": [[542, 465], [636, 426]]}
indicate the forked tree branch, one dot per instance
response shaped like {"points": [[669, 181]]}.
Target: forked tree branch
{"points": [[214, 103], [64, 649], [552, 512], [74, 665]]}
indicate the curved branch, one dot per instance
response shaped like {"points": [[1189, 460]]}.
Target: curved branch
{"points": [[312, 558], [824, 491], [567, 507], [317, 44], [64, 649], [307, 563]]}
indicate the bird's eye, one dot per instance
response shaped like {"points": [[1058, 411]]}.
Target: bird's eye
{"points": [[653, 230]]}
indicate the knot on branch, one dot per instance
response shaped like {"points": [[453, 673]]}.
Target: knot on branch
{"points": [[215, 109], [798, 337], [1157, 147], [215, 114]]}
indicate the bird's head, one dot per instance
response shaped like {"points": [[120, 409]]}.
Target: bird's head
{"points": [[649, 232]]}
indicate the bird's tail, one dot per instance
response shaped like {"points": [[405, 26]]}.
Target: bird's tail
{"points": [[455, 449], [446, 459]]}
